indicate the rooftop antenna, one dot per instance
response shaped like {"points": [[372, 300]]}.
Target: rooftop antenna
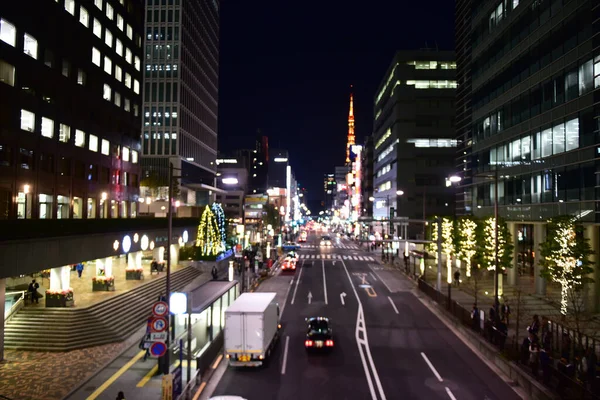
{"points": [[436, 46]]}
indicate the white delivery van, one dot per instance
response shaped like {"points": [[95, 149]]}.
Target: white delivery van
{"points": [[251, 329]]}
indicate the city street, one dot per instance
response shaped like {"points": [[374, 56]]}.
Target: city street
{"points": [[387, 344]]}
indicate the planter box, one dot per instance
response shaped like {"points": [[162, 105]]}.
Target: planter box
{"points": [[59, 301], [134, 275], [102, 287]]}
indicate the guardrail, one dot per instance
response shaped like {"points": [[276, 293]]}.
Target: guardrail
{"points": [[19, 302]]}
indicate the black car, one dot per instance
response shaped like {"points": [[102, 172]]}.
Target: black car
{"points": [[319, 335]]}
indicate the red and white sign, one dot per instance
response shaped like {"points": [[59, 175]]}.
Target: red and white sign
{"points": [[158, 324], [160, 309]]}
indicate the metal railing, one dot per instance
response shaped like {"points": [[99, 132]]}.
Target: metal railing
{"points": [[18, 301]]}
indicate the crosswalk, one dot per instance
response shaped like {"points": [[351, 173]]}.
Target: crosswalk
{"points": [[334, 257], [334, 246]]}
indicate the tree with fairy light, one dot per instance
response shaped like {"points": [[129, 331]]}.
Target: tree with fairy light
{"points": [[217, 210], [566, 260], [487, 243], [209, 235], [465, 241], [447, 242]]}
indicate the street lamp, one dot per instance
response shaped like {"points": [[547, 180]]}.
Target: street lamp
{"points": [[148, 201], [449, 182]]}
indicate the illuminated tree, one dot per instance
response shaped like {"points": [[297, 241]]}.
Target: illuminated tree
{"points": [[448, 245], [487, 243], [465, 241], [566, 261], [217, 210], [209, 235]]}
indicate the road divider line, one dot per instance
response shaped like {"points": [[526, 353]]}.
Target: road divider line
{"points": [[393, 305], [216, 364], [297, 282], [374, 277], [381, 280], [285, 354], [431, 367], [148, 376], [116, 376], [450, 393], [324, 283], [199, 392]]}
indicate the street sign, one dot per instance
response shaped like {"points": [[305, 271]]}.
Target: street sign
{"points": [[158, 324], [158, 337], [158, 349], [160, 309]]}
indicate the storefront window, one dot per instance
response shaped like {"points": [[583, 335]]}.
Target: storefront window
{"points": [[104, 208], [77, 207], [91, 208], [45, 201], [216, 318], [133, 209], [62, 204], [123, 209], [114, 209]]}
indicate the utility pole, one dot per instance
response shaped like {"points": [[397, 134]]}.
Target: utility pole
{"points": [[167, 365], [439, 254], [496, 268]]}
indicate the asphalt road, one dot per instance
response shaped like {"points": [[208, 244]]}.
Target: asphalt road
{"points": [[387, 344]]}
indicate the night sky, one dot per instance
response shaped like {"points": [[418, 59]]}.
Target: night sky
{"points": [[286, 68]]}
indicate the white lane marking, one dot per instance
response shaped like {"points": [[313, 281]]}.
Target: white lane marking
{"points": [[324, 283], [371, 258], [382, 280], [393, 305], [373, 275], [431, 367], [361, 258], [365, 341], [285, 353], [309, 297], [342, 296], [297, 282], [450, 393]]}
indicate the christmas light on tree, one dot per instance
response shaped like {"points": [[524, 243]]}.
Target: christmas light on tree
{"points": [[209, 236], [467, 241], [432, 246], [217, 210], [448, 245]]}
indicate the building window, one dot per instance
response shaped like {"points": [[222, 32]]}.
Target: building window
{"points": [[77, 208], [118, 73], [30, 46], [105, 147], [96, 56], [7, 73], [137, 63], [80, 77], [125, 153], [136, 110], [128, 55], [119, 47], [134, 156], [45, 206], [127, 104], [66, 67], [106, 95], [70, 6], [586, 77], [62, 207], [26, 158], [93, 143], [84, 17], [129, 32], [98, 4], [27, 120], [110, 12], [97, 28], [117, 99], [572, 134], [127, 80], [8, 32], [64, 133], [136, 86], [79, 138], [108, 37], [47, 127], [119, 22], [107, 65]]}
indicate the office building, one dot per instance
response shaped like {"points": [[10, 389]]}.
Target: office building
{"points": [[367, 174], [414, 136], [259, 166], [329, 191], [232, 178], [529, 117], [181, 97], [277, 168]]}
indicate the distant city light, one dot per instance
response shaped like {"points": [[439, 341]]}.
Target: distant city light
{"points": [[280, 159], [230, 181]]}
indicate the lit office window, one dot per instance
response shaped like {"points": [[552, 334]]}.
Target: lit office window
{"points": [[80, 77], [7, 73], [129, 32], [97, 28], [118, 73], [110, 12], [108, 38], [47, 127], [127, 80], [64, 133], [98, 4], [30, 46], [106, 94], [79, 138], [119, 22], [8, 32], [127, 105], [93, 143], [96, 56], [117, 99], [137, 63], [27, 120], [105, 147], [128, 55], [515, 3], [125, 153], [84, 17], [134, 156], [107, 65], [119, 47], [136, 86], [572, 134], [70, 6]]}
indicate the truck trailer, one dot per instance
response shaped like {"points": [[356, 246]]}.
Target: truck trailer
{"points": [[251, 329]]}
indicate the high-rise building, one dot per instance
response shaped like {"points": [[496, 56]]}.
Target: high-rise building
{"points": [[70, 84], [259, 166], [414, 136], [367, 174], [180, 95], [329, 191], [277, 172], [529, 115]]}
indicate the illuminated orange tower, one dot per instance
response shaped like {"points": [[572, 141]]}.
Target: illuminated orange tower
{"points": [[351, 137]]}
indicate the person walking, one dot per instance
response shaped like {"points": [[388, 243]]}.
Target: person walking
{"points": [[475, 318], [33, 287], [457, 278], [215, 273], [121, 396], [505, 312], [79, 269]]}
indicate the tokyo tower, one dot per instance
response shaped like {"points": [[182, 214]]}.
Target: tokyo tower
{"points": [[351, 138]]}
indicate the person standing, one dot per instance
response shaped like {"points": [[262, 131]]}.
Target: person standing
{"points": [[457, 278], [121, 396], [506, 312], [33, 287], [79, 269]]}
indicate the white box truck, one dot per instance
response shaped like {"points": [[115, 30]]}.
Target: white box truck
{"points": [[251, 329]]}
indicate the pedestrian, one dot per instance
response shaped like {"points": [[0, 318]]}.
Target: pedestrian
{"points": [[505, 312], [534, 357], [215, 272], [33, 287], [475, 318], [457, 278], [79, 269], [121, 396], [145, 345], [535, 325]]}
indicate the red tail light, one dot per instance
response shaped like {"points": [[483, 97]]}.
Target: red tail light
{"points": [[308, 343], [329, 343]]}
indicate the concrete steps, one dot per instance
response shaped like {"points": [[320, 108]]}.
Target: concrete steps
{"points": [[64, 329]]}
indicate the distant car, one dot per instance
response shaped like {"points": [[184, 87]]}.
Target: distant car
{"points": [[293, 255], [291, 246], [325, 241], [288, 264], [319, 335]]}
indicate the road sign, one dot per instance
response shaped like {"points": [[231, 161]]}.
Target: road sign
{"points": [[158, 337], [158, 324], [158, 349], [160, 309]]}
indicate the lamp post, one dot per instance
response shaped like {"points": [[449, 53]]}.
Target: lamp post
{"points": [[25, 192], [454, 179], [148, 201]]}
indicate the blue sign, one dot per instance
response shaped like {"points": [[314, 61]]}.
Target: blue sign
{"points": [[224, 255], [177, 381], [158, 349]]}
